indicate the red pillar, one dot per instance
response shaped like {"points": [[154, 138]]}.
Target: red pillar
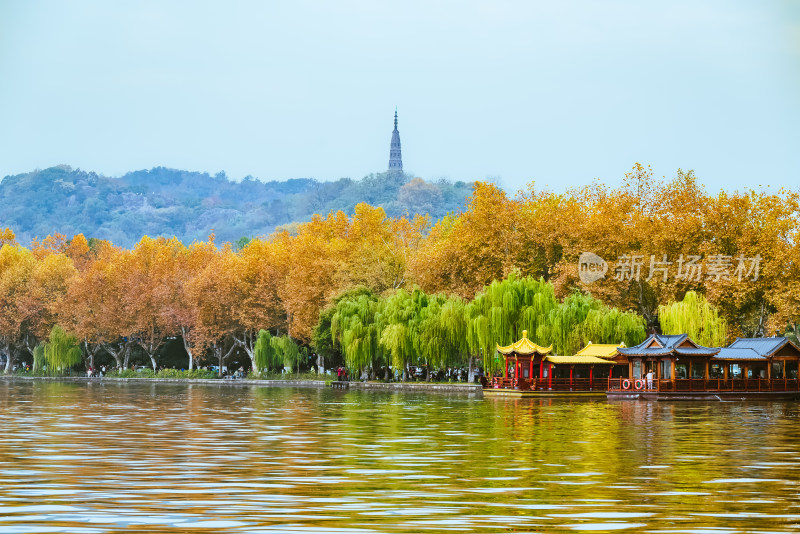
{"points": [[541, 369], [550, 376], [505, 367], [591, 377], [570, 377], [516, 370], [530, 372]]}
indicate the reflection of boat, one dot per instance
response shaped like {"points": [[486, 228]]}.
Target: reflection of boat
{"points": [[682, 369], [531, 370]]}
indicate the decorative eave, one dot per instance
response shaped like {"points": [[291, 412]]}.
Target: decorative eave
{"points": [[524, 347]]}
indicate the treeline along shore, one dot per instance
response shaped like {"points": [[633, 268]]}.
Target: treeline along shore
{"points": [[387, 296]]}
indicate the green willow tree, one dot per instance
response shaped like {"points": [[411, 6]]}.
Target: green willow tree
{"points": [[582, 318], [409, 328], [399, 315], [276, 352], [502, 310], [287, 352], [695, 316], [356, 331], [451, 330], [440, 339], [265, 355], [59, 353]]}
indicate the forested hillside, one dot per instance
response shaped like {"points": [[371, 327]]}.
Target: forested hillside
{"points": [[189, 205]]}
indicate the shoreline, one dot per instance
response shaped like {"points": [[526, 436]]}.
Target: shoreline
{"points": [[465, 389]]}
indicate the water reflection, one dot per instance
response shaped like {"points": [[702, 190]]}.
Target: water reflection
{"points": [[109, 457]]}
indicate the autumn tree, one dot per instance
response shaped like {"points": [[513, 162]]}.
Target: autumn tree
{"points": [[213, 293], [16, 269], [466, 252], [258, 277], [96, 306]]}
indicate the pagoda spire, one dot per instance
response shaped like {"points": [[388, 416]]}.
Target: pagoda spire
{"points": [[395, 154]]}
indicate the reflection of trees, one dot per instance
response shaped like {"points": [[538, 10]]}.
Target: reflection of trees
{"points": [[274, 455]]}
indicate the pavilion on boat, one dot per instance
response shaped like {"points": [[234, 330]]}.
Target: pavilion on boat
{"points": [[523, 364], [531, 367], [679, 364]]}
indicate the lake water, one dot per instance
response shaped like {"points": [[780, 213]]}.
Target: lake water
{"points": [[174, 458]]}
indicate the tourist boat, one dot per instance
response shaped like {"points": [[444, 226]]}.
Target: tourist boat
{"points": [[531, 370], [682, 369]]}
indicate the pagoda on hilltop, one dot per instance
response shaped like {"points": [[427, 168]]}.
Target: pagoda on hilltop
{"points": [[395, 155]]}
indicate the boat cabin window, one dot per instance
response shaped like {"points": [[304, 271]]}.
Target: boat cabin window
{"points": [[681, 371], [666, 370], [561, 372], [637, 369], [619, 371], [757, 371], [580, 372], [735, 371], [777, 369], [698, 369], [601, 371], [791, 369], [715, 371]]}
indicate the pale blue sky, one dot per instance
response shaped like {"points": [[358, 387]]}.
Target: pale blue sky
{"points": [[560, 92]]}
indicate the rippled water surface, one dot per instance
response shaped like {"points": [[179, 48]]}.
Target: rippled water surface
{"points": [[171, 458]]}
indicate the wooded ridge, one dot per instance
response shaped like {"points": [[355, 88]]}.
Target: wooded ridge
{"points": [[189, 205]]}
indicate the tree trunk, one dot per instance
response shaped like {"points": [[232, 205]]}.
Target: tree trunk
{"points": [[187, 347], [151, 349], [469, 369], [221, 358], [152, 359], [386, 374], [117, 354], [247, 343], [9, 358], [89, 352], [29, 343]]}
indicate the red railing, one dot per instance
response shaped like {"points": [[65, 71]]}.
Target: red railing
{"points": [[549, 384], [709, 384]]}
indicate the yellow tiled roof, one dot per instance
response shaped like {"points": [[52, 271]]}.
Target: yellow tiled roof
{"points": [[600, 350], [577, 359], [524, 347]]}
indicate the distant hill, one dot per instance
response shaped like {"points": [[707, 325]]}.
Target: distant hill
{"points": [[189, 205]]}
